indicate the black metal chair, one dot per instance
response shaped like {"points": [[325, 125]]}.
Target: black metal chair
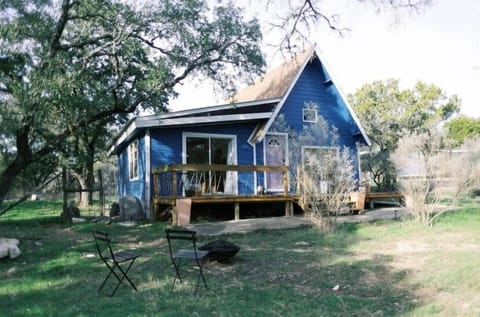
{"points": [[114, 261], [181, 256]]}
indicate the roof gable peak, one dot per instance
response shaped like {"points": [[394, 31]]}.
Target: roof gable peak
{"points": [[278, 81]]}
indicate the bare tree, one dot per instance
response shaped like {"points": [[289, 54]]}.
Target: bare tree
{"points": [[325, 174], [297, 19], [433, 176], [324, 183]]}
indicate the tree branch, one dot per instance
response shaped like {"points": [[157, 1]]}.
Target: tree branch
{"points": [[60, 26]]}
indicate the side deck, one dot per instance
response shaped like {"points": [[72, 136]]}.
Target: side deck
{"points": [[179, 186], [370, 197]]}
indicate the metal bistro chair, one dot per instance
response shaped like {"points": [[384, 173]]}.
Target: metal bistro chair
{"points": [[192, 255], [114, 260]]}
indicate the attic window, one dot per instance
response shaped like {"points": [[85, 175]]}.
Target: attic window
{"points": [[309, 115]]}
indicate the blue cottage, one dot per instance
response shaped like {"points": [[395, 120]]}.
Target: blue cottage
{"points": [[233, 153]]}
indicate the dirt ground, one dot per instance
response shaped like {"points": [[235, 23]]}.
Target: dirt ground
{"points": [[254, 224]]}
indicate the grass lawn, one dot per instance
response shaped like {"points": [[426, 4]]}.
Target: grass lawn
{"points": [[388, 268]]}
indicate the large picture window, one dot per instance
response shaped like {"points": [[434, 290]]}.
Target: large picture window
{"points": [[210, 149], [320, 163], [133, 160]]}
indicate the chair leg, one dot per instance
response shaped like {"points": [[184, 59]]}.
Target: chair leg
{"points": [[200, 279], [124, 273], [108, 276], [176, 265], [119, 278], [200, 276]]}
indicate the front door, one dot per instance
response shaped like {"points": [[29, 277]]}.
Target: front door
{"points": [[276, 154]]}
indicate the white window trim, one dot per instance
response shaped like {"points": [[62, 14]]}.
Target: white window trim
{"points": [[304, 147], [148, 168], [233, 137], [131, 146], [336, 148], [232, 156], [308, 109]]}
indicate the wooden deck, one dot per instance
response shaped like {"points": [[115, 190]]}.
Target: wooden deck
{"points": [[171, 190], [181, 206], [371, 196], [172, 185]]}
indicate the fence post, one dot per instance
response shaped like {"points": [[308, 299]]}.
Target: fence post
{"points": [[66, 216], [101, 194]]}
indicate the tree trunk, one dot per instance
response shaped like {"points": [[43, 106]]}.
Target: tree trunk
{"points": [[82, 185], [66, 215], [90, 172], [24, 158], [84, 196], [9, 175]]}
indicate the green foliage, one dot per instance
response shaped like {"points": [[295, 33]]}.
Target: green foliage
{"points": [[462, 128], [32, 213], [387, 112], [67, 65], [387, 268]]}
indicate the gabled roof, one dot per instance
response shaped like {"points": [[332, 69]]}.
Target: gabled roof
{"points": [[275, 83], [279, 82]]}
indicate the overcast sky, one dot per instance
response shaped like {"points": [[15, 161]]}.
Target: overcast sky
{"points": [[440, 46]]}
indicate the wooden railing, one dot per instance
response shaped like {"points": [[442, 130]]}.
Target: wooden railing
{"points": [[183, 180]]}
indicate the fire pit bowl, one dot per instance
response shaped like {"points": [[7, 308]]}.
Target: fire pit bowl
{"points": [[220, 250]]}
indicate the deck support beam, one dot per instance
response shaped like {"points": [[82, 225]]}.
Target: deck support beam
{"points": [[288, 208], [237, 211]]}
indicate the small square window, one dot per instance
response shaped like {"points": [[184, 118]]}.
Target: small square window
{"points": [[309, 115]]}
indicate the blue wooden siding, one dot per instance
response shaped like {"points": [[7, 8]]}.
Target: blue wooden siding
{"points": [[166, 144], [166, 147], [315, 86], [125, 185]]}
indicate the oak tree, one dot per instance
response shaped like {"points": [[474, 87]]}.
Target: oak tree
{"points": [[388, 112], [65, 65]]}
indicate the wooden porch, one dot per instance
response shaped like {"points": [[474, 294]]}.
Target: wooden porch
{"points": [[176, 187]]}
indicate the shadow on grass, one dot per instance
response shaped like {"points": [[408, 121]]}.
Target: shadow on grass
{"points": [[295, 272], [307, 273]]}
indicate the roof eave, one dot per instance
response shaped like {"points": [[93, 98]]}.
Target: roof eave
{"points": [[185, 121], [342, 95], [122, 136], [196, 111]]}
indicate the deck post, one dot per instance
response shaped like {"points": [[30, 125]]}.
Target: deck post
{"points": [[237, 211], [288, 208], [174, 184], [285, 182], [175, 214]]}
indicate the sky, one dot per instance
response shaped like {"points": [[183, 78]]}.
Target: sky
{"points": [[439, 46]]}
